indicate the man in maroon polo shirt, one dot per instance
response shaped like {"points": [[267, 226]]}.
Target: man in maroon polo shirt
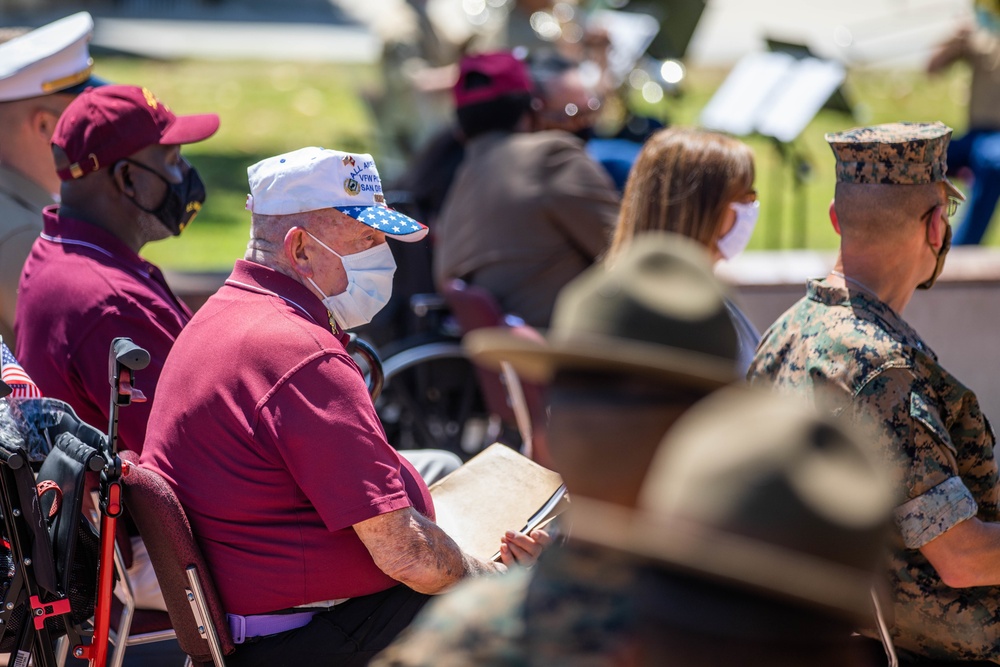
{"points": [[124, 184], [318, 534]]}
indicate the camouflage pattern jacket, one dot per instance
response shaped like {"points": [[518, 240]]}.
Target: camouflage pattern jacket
{"points": [[859, 359], [572, 610]]}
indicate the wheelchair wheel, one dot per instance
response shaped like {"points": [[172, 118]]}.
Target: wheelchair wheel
{"points": [[431, 400]]}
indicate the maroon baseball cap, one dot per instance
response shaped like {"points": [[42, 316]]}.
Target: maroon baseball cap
{"points": [[499, 73], [103, 125]]}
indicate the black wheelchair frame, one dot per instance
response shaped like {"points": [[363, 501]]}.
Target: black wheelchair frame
{"points": [[425, 388]]}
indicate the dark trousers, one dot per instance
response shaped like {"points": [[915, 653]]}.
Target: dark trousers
{"points": [[349, 634]]}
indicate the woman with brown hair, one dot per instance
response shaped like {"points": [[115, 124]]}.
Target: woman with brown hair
{"points": [[698, 184]]}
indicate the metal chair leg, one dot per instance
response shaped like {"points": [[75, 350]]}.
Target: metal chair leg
{"points": [[198, 604]]}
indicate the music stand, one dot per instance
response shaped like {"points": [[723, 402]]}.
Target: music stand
{"points": [[839, 101], [677, 20], [776, 94], [629, 34]]}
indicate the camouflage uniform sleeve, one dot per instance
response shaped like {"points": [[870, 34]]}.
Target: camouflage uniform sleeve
{"points": [[928, 516], [898, 412]]}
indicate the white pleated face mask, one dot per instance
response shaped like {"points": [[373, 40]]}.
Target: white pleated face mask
{"points": [[736, 239], [369, 285]]}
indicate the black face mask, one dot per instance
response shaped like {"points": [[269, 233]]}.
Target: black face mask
{"points": [[181, 202]]}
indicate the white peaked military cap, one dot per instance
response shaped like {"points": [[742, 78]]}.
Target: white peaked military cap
{"points": [[50, 59]]}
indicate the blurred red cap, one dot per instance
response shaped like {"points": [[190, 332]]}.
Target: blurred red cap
{"points": [[499, 74]]}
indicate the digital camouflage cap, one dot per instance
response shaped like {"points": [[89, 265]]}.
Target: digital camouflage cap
{"points": [[894, 154]]}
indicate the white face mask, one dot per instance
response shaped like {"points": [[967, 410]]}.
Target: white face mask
{"points": [[736, 239], [369, 285]]}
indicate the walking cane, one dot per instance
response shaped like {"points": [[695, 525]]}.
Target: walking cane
{"points": [[124, 359]]}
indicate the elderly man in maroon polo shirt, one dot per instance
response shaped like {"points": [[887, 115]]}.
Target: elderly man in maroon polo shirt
{"points": [[124, 184], [318, 534]]}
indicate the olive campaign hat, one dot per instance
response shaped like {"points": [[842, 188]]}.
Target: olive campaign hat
{"points": [[656, 311], [894, 154], [753, 489]]}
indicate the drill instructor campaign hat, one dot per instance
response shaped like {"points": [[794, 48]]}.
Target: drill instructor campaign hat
{"points": [[755, 489], [54, 58], [656, 311], [313, 178]]}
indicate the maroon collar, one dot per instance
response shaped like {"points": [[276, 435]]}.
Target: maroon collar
{"points": [[91, 240], [259, 278]]}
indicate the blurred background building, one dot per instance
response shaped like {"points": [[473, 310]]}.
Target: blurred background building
{"points": [[888, 33]]}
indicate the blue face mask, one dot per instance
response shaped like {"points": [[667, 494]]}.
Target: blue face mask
{"points": [[369, 285]]}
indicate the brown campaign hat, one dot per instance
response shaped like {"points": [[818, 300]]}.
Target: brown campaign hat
{"points": [[657, 311], [755, 489], [894, 154]]}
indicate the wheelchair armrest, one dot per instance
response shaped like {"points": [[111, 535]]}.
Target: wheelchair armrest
{"points": [[375, 376]]}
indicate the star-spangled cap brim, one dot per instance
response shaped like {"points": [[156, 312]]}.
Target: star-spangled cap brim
{"points": [[389, 222]]}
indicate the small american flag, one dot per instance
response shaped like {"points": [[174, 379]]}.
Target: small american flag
{"points": [[14, 375]]}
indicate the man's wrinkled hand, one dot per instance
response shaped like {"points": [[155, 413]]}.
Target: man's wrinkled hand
{"points": [[520, 549]]}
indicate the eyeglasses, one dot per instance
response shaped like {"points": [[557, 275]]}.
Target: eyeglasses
{"points": [[953, 203], [951, 207]]}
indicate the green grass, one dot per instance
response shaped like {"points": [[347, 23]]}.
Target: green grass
{"points": [[272, 108], [878, 96], [265, 109]]}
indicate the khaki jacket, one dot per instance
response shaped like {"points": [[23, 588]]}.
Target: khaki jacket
{"points": [[21, 204]]}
